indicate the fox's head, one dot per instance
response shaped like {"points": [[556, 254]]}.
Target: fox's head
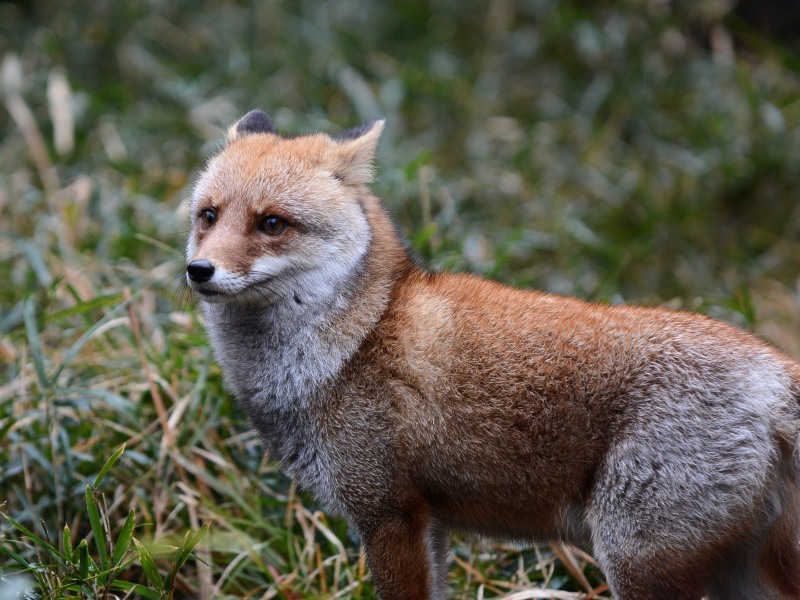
{"points": [[275, 218]]}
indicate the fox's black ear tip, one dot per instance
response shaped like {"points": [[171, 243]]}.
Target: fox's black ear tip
{"points": [[356, 132], [256, 121]]}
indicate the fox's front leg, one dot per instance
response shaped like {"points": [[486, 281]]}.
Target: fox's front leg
{"points": [[407, 555]]}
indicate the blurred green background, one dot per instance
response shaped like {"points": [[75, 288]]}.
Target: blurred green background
{"points": [[641, 151]]}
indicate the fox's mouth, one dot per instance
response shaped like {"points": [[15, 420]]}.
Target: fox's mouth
{"points": [[209, 294], [255, 290], [213, 296], [204, 292]]}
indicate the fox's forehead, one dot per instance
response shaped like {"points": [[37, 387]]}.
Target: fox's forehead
{"points": [[261, 166]]}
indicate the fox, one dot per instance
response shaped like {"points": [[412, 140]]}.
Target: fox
{"points": [[414, 403]]}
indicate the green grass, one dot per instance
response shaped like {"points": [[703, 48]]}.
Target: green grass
{"points": [[621, 153]]}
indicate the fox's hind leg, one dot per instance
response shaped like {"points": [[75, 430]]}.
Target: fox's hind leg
{"points": [[768, 567], [672, 498], [764, 569], [658, 576], [750, 572], [639, 562]]}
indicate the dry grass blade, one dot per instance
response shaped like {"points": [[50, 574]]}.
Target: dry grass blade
{"points": [[26, 122], [59, 97], [567, 556]]}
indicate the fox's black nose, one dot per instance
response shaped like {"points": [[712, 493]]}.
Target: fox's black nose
{"points": [[200, 270]]}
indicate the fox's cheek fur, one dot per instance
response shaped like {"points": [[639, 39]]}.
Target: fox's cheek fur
{"points": [[298, 264]]}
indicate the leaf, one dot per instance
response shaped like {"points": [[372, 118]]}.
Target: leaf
{"points": [[17, 558], [81, 341], [34, 255], [124, 540], [149, 566], [66, 543], [97, 527], [106, 467], [135, 590], [85, 306], [35, 538], [83, 560], [190, 540], [35, 343]]}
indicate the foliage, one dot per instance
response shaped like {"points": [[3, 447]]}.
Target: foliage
{"points": [[628, 151]]}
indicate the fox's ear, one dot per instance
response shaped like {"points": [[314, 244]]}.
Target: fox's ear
{"points": [[355, 149], [256, 121]]}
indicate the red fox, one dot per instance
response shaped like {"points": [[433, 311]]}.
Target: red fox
{"points": [[414, 402]]}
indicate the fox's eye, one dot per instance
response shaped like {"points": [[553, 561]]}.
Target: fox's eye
{"points": [[207, 218], [273, 225]]}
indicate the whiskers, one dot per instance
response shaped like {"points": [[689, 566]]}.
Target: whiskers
{"points": [[267, 286], [228, 294], [256, 289], [180, 293], [164, 283]]}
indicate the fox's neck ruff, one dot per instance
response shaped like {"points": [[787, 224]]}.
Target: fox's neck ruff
{"points": [[279, 355], [280, 358]]}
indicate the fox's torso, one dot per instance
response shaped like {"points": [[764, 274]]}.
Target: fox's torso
{"points": [[456, 365]]}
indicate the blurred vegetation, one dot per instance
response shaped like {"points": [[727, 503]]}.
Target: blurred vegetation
{"points": [[633, 151]]}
